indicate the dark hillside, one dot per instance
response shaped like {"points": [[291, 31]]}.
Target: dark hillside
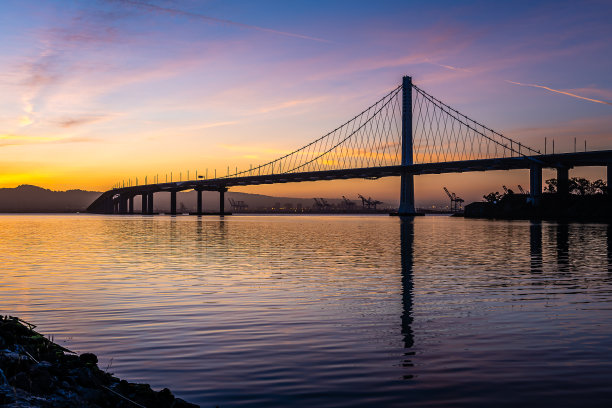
{"points": [[27, 198]]}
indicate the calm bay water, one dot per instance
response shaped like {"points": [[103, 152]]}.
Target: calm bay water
{"points": [[324, 311]]}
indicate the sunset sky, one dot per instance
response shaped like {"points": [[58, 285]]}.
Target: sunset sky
{"points": [[95, 92]]}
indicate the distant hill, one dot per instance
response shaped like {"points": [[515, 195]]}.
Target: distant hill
{"points": [[187, 201], [29, 199]]}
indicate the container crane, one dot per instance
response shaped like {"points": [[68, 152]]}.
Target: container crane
{"points": [[369, 203], [347, 203], [321, 203], [455, 202], [238, 205]]}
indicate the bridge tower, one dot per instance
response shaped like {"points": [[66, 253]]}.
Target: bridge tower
{"points": [[407, 179]]}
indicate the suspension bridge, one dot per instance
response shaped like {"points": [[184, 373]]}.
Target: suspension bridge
{"points": [[407, 132]]}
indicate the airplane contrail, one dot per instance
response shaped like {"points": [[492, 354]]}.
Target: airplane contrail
{"points": [[531, 85], [561, 92], [448, 66], [177, 12]]}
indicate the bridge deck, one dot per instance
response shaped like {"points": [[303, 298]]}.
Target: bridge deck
{"points": [[568, 160]]}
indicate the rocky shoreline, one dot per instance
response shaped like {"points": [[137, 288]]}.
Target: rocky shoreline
{"points": [[36, 372]]}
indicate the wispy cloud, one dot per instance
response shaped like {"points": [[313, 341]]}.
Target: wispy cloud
{"points": [[16, 140], [208, 19], [214, 124], [560, 92], [78, 121], [289, 104]]}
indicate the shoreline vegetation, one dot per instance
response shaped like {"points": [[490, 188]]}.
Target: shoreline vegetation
{"points": [[579, 200], [36, 372], [589, 208]]}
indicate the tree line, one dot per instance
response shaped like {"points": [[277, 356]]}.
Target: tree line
{"points": [[577, 186]]}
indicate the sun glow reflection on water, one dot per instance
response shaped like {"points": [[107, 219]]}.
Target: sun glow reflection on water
{"points": [[329, 310]]}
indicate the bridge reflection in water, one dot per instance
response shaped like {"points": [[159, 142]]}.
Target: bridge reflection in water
{"points": [[560, 234], [407, 253]]}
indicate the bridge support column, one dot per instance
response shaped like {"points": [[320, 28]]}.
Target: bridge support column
{"points": [[150, 203], [535, 184], [609, 179], [122, 204], [109, 206], [222, 201], [563, 181], [131, 205], [173, 203], [199, 209], [407, 181], [407, 195], [144, 203]]}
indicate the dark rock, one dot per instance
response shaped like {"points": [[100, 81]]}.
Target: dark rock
{"points": [[41, 380], [92, 395], [83, 376], [3, 379], [88, 358], [62, 379], [7, 395], [180, 403], [21, 380]]}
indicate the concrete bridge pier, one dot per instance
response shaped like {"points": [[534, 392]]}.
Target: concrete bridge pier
{"points": [[144, 207], [123, 204], [407, 179], [222, 200], [131, 205], [150, 203], [407, 195], [109, 206], [609, 179], [199, 208], [173, 203], [563, 181], [535, 183]]}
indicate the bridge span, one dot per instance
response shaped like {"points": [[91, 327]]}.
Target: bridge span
{"points": [[406, 133]]}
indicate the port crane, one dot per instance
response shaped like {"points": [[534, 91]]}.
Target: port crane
{"points": [[455, 202], [369, 203], [347, 203], [321, 203], [238, 205], [507, 190]]}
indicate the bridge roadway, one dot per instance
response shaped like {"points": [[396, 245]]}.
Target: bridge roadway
{"points": [[120, 200]]}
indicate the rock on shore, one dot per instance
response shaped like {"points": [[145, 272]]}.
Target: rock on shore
{"points": [[36, 372]]}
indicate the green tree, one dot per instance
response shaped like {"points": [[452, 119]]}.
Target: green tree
{"points": [[599, 187], [492, 197], [578, 186]]}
